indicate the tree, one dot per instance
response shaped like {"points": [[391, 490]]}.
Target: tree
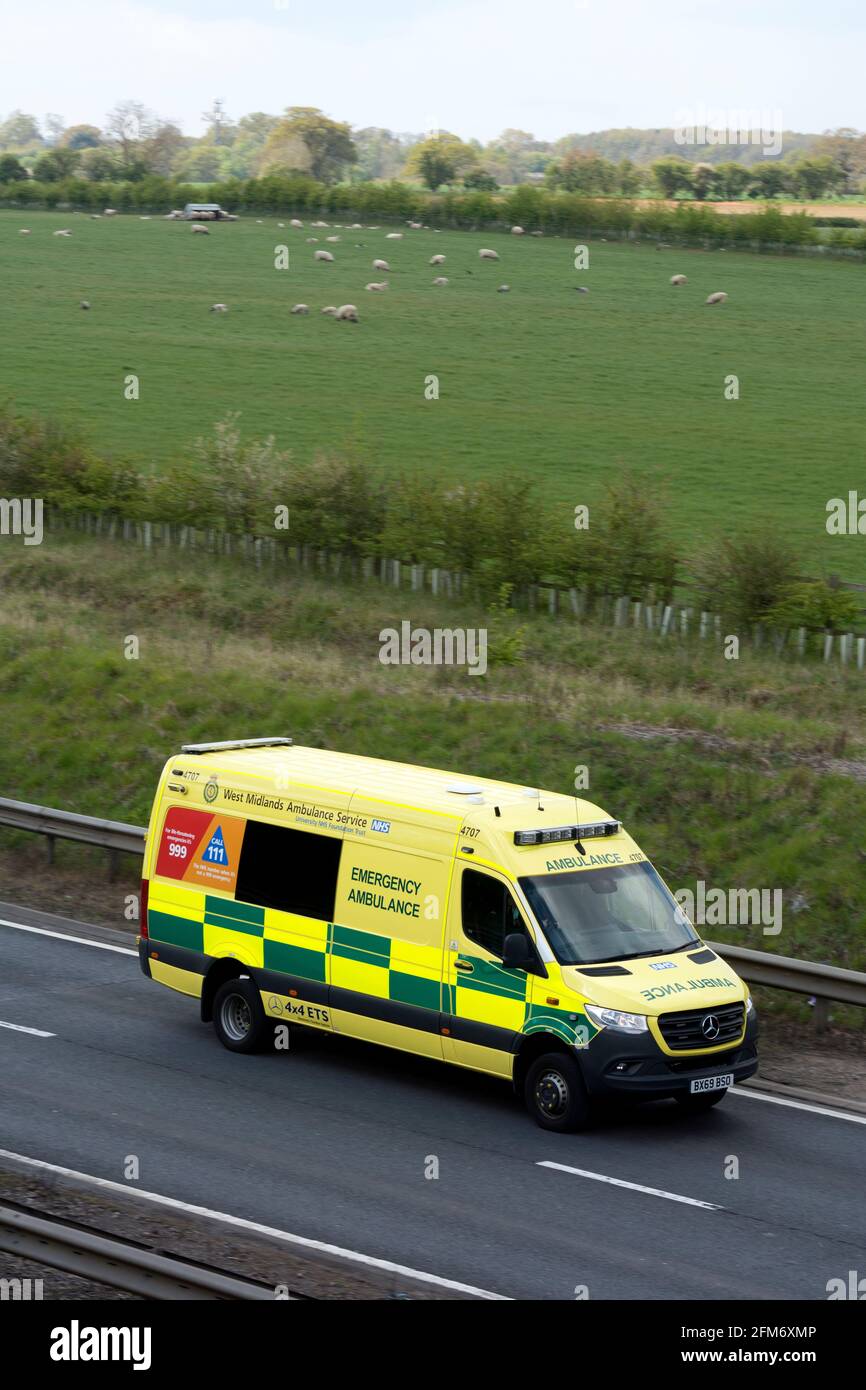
{"points": [[704, 180], [161, 149], [440, 158], [381, 154], [81, 137], [19, 131], [582, 173], [515, 154], [628, 178], [480, 180], [328, 144], [54, 165], [100, 165], [672, 176], [127, 125], [201, 163], [55, 126], [732, 179], [11, 169], [847, 148], [813, 178], [768, 179]]}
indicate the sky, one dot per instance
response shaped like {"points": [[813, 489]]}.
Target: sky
{"points": [[471, 66]]}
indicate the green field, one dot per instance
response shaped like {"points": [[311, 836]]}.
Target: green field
{"points": [[564, 385]]}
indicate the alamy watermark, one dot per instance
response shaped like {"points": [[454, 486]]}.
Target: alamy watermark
{"points": [[732, 907], [699, 126], [423, 646], [22, 516]]}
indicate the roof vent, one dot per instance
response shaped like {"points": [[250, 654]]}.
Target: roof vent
{"points": [[464, 789]]}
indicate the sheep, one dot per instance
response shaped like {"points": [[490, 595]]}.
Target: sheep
{"points": [[311, 239], [203, 230], [718, 298], [487, 255], [64, 232], [393, 236], [517, 231], [96, 217], [679, 279], [332, 238], [218, 309], [416, 226], [330, 309], [172, 216], [25, 231], [319, 224], [381, 265], [581, 289], [503, 289], [347, 312], [441, 280], [437, 260], [300, 308], [296, 222], [536, 233], [110, 212], [322, 256], [144, 219], [373, 285], [85, 304]]}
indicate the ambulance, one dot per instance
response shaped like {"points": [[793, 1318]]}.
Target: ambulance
{"points": [[516, 932]]}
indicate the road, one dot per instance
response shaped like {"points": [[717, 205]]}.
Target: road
{"points": [[332, 1142]]}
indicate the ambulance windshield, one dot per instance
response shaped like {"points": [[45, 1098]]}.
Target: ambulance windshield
{"points": [[590, 916]]}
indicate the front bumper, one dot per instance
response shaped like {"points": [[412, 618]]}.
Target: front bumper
{"points": [[618, 1064]]}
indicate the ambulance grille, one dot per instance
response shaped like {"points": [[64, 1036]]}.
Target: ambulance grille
{"points": [[691, 1029]]}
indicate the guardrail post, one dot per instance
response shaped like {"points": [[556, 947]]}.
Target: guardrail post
{"points": [[50, 842], [822, 1015], [113, 865]]}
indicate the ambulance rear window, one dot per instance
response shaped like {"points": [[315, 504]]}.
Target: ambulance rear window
{"points": [[289, 869]]}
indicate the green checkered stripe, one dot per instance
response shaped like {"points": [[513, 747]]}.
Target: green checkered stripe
{"points": [[348, 943]]}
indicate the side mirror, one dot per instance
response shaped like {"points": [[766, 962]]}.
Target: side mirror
{"points": [[517, 953]]}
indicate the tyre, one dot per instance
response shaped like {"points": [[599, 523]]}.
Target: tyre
{"points": [[555, 1094], [696, 1105], [238, 1017]]}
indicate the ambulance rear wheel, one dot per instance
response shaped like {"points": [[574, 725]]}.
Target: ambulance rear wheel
{"points": [[238, 1017], [555, 1094]]}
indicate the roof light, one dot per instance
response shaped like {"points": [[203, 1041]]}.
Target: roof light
{"points": [[555, 834]]}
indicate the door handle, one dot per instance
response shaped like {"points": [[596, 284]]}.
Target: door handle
{"points": [[465, 965]]}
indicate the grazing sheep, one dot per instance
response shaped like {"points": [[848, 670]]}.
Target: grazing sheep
{"points": [[318, 224], [416, 226], [437, 260], [517, 231], [330, 309], [381, 265], [96, 216], [172, 216], [536, 233], [281, 224], [378, 287], [581, 289], [296, 222], [196, 228], [219, 309], [144, 219], [332, 238], [348, 312], [311, 239], [25, 231], [393, 236], [718, 298], [301, 309], [322, 256], [679, 279], [110, 212], [64, 232], [487, 255], [441, 280], [503, 289], [85, 304]]}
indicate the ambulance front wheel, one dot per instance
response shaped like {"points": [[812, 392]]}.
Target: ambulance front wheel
{"points": [[238, 1017], [555, 1094]]}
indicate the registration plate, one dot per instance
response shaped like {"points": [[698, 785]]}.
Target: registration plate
{"points": [[712, 1083]]}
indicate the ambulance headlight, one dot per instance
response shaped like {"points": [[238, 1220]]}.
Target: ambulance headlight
{"points": [[616, 1019]]}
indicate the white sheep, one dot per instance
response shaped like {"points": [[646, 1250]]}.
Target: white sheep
{"points": [[718, 298], [416, 226], [332, 238], [503, 289], [378, 287], [65, 232], [393, 236], [318, 224], [348, 312], [219, 309], [300, 308], [679, 279], [96, 216], [110, 212], [437, 260], [381, 265], [322, 256], [202, 230], [85, 304], [296, 222], [25, 231], [330, 309], [536, 233], [311, 240], [517, 231], [441, 280], [487, 255]]}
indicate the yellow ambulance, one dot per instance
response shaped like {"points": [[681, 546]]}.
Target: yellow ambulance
{"points": [[513, 931]]}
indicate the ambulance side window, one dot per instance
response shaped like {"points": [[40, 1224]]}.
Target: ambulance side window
{"points": [[289, 869], [489, 912]]}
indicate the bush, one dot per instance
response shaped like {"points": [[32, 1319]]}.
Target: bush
{"points": [[747, 578]]}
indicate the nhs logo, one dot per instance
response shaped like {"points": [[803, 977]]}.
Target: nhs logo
{"points": [[662, 965], [383, 826]]}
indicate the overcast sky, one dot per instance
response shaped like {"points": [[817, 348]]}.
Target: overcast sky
{"points": [[472, 66]]}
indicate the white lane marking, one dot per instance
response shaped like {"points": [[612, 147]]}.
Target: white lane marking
{"points": [[389, 1266], [64, 936], [19, 1028], [633, 1186], [798, 1105]]}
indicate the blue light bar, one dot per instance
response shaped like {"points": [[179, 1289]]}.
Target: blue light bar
{"points": [[593, 831]]}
